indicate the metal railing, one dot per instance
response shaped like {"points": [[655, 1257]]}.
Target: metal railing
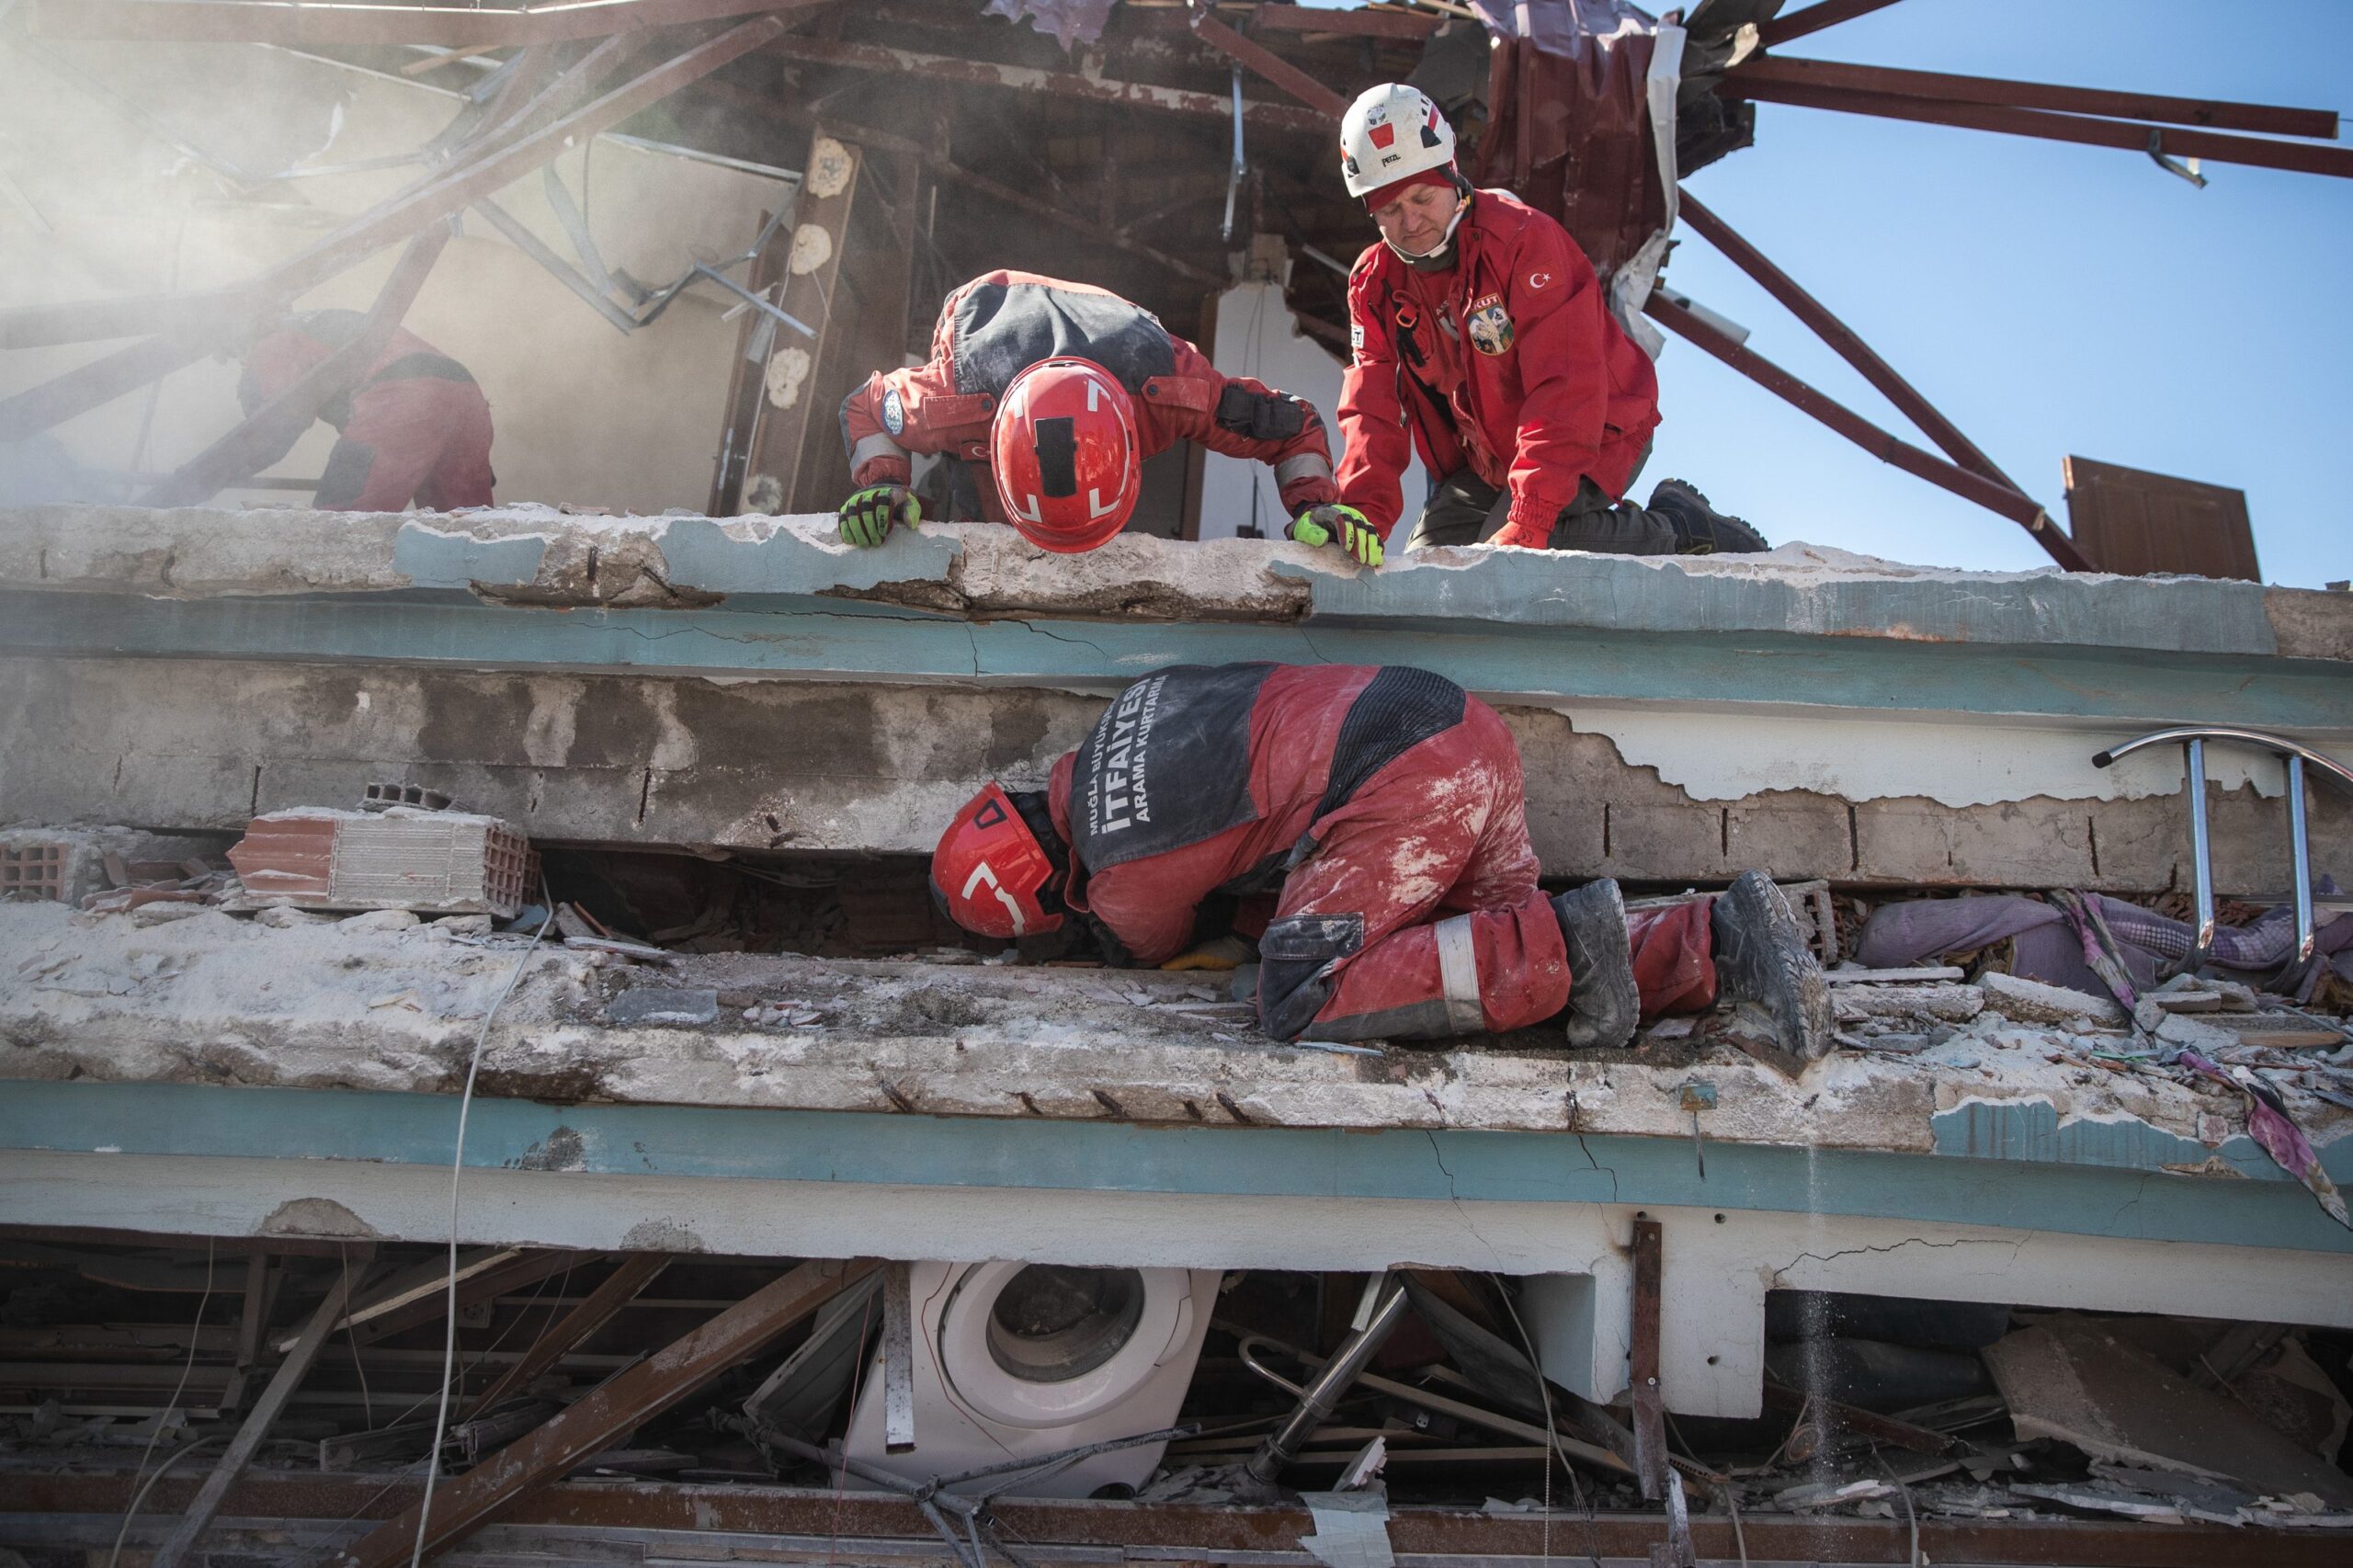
{"points": [[2193, 739]]}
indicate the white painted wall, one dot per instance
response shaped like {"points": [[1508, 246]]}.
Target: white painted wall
{"points": [[1257, 336]]}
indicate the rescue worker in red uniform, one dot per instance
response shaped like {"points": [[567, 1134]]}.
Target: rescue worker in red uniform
{"points": [[415, 426], [1483, 339], [1383, 809], [1061, 391]]}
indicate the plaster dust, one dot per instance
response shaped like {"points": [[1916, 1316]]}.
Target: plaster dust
{"points": [[297, 1000]]}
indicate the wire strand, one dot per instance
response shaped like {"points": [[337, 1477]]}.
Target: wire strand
{"points": [[457, 1173], [195, 1334]]}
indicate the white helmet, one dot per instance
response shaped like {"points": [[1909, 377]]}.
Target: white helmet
{"points": [[1391, 132]]}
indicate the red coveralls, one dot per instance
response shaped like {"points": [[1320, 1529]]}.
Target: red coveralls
{"points": [[416, 428], [1507, 363], [1378, 802], [1002, 322]]}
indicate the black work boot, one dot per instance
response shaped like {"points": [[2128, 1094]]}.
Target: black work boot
{"points": [[1761, 957], [1604, 1007], [1699, 528]]}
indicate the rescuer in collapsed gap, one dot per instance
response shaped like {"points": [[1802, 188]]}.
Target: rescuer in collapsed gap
{"points": [[1477, 324], [1061, 391], [413, 427], [1379, 812]]}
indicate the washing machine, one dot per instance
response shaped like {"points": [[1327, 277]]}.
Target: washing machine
{"points": [[1014, 1360]]}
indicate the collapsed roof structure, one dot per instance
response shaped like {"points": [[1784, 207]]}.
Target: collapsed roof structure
{"points": [[507, 1091]]}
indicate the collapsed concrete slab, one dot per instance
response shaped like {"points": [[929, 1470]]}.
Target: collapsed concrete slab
{"points": [[215, 1074], [751, 684]]}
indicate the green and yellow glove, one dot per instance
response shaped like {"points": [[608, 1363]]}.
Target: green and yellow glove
{"points": [[866, 517], [1347, 525]]}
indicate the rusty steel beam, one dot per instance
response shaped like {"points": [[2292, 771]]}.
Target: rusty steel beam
{"points": [[2213, 114], [1411, 26], [313, 26], [619, 1289], [893, 62], [1842, 338], [1259, 58], [200, 1510], [1201, 1533], [1648, 1399], [264, 435], [181, 339], [1814, 18], [621, 1404], [2126, 135], [103, 380], [1888, 449]]}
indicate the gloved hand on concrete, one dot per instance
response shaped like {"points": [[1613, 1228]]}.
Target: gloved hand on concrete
{"points": [[1325, 524], [1228, 951], [866, 517]]}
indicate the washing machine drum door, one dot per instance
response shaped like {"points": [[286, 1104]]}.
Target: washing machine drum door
{"points": [[1036, 1344]]}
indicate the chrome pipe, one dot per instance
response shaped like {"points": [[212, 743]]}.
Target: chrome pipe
{"points": [[2300, 859], [1326, 1388], [2200, 850]]}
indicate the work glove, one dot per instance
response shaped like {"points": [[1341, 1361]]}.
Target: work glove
{"points": [[1345, 525], [866, 517], [1221, 953]]}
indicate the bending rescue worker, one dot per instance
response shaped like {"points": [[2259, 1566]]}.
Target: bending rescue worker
{"points": [[1483, 340], [1061, 391], [415, 426], [1382, 807]]}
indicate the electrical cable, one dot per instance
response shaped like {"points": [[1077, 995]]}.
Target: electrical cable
{"points": [[457, 1172], [195, 1333], [1551, 1437]]}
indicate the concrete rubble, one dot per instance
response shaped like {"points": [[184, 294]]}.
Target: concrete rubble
{"points": [[211, 998]]}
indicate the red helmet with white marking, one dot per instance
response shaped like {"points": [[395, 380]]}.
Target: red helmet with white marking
{"points": [[1065, 450], [990, 870]]}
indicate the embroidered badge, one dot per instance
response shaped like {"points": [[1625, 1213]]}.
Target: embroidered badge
{"points": [[894, 411], [1537, 279], [1490, 324]]}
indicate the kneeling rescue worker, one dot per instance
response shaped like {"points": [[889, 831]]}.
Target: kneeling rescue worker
{"points": [[415, 426], [1482, 338], [1061, 391], [1382, 807]]}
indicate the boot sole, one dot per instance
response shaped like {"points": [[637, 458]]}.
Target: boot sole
{"points": [[1761, 956]]}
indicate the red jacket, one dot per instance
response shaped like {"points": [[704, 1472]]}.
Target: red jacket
{"points": [[1207, 779], [1507, 363], [1002, 322]]}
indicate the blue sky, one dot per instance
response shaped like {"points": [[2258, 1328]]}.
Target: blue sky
{"points": [[2050, 299]]}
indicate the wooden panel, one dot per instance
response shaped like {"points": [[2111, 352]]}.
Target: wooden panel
{"points": [[2138, 523]]}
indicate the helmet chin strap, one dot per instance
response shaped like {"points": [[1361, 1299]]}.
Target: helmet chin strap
{"points": [[1440, 254]]}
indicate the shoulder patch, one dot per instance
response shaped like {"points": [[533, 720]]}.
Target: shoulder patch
{"points": [[894, 411], [1489, 324], [1539, 279]]}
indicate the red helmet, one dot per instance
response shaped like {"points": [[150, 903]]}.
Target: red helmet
{"points": [[1064, 451], [989, 870]]}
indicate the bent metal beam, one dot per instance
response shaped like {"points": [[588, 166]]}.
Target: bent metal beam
{"points": [[2020, 509], [400, 217]]}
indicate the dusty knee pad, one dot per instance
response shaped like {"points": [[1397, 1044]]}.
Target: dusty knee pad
{"points": [[1296, 957]]}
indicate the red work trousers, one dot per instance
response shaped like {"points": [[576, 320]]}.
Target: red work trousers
{"points": [[1427, 869], [415, 439]]}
